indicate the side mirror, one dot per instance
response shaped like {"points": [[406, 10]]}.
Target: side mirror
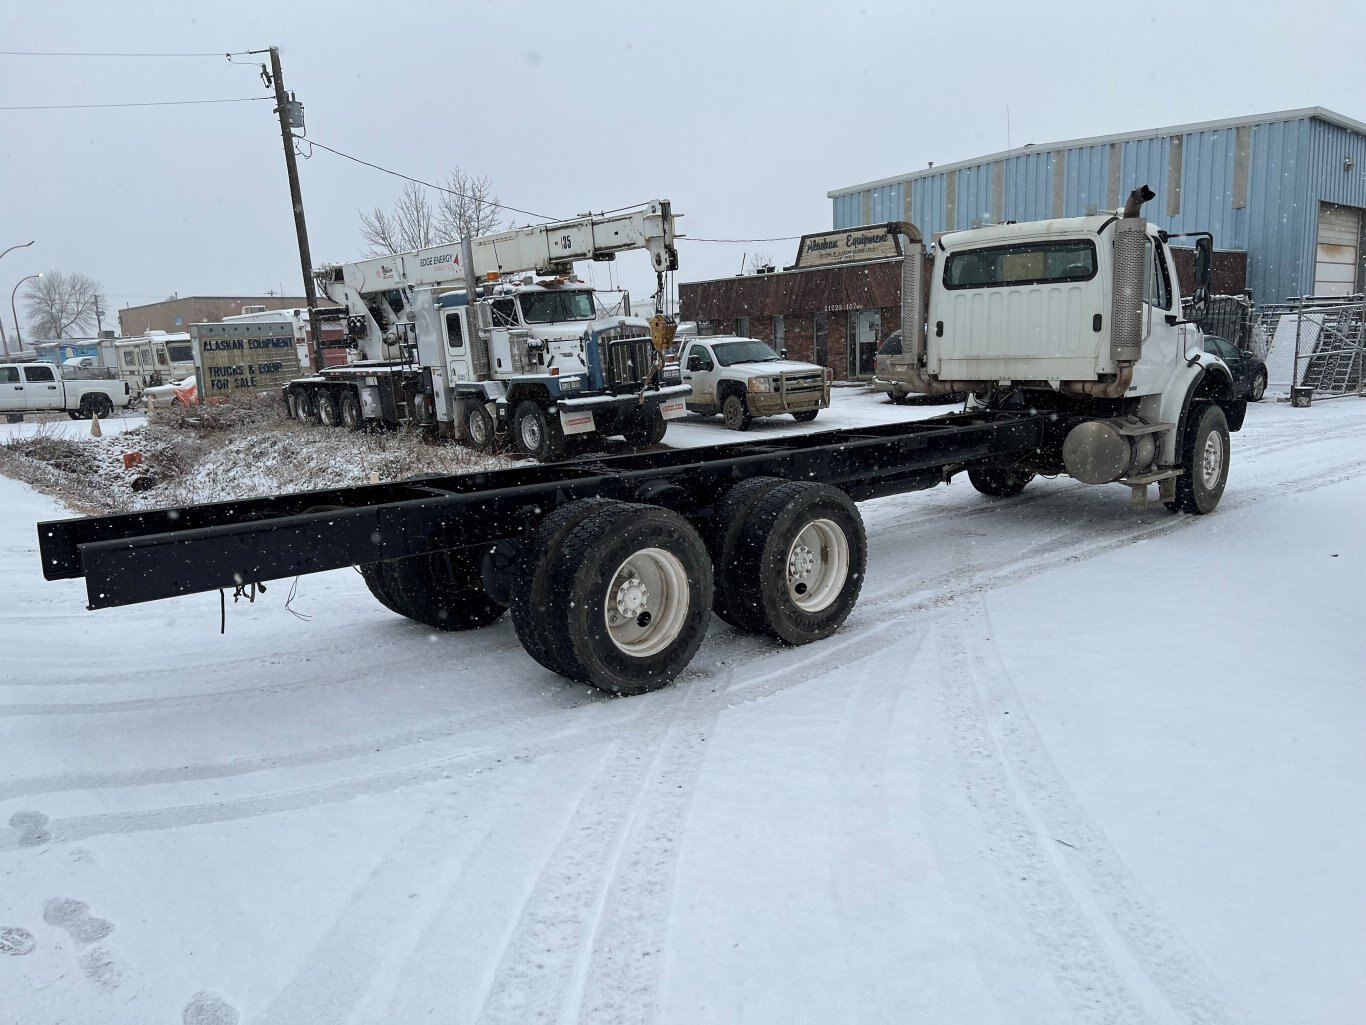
{"points": [[1204, 257], [782, 353], [694, 363], [1249, 354]]}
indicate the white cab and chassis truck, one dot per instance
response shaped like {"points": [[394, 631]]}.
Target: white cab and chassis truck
{"points": [[40, 387], [528, 358], [1067, 331]]}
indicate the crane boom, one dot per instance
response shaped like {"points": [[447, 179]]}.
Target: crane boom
{"points": [[543, 248]]}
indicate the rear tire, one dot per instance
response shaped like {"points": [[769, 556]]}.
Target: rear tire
{"points": [[1258, 387], [805, 416], [632, 597], [999, 482], [736, 413], [533, 585], [301, 404], [351, 416], [442, 589], [325, 409], [1204, 461], [537, 433], [376, 579], [799, 562], [728, 521]]}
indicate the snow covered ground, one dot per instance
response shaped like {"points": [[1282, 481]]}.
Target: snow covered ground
{"points": [[1066, 762]]}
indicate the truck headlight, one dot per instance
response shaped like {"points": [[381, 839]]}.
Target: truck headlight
{"points": [[571, 383], [759, 384]]}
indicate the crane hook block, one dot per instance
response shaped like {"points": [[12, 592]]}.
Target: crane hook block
{"points": [[662, 331]]}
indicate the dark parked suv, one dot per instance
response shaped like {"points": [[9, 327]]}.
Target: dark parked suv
{"points": [[1249, 373]]}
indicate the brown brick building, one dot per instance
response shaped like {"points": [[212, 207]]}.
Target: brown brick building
{"points": [[179, 314], [833, 316]]}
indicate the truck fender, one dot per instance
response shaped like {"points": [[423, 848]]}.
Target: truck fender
{"points": [[1208, 383]]}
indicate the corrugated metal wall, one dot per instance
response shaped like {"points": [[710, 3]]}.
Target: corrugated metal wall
{"points": [[1256, 186]]}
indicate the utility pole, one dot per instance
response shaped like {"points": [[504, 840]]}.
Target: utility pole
{"points": [[99, 318], [291, 112]]}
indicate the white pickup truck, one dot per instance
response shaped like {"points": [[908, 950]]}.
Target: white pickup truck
{"points": [[40, 388], [742, 378]]}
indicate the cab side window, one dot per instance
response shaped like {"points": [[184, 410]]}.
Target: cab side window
{"points": [[455, 338], [699, 359], [1157, 287], [36, 374], [9, 375]]}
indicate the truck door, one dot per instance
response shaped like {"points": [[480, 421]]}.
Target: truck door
{"points": [[457, 352], [41, 390], [699, 370], [1162, 303], [11, 390]]}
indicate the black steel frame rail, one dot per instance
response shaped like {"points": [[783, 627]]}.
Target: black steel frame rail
{"points": [[145, 556]]}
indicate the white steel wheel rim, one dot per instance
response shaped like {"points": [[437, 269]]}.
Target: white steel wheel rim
{"points": [[646, 604], [1212, 460], [531, 433], [474, 423], [817, 565]]}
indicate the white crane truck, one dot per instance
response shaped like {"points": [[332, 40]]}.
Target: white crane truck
{"points": [[1068, 332], [528, 357]]}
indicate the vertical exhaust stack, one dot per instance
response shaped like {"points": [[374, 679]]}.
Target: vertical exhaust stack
{"points": [[1131, 254], [913, 310]]}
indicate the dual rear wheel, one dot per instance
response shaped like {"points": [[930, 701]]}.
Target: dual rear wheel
{"points": [[619, 595]]}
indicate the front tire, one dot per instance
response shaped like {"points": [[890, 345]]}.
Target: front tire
{"points": [[478, 426], [799, 562], [537, 433], [806, 416], [736, 413], [632, 597], [1204, 461]]}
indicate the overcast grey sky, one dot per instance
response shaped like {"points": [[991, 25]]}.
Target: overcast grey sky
{"points": [[743, 114]]}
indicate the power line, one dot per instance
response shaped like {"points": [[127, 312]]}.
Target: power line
{"points": [[152, 103], [439, 188], [780, 238], [60, 53]]}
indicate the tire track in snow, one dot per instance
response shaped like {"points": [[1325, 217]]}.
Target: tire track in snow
{"points": [[1177, 971], [1082, 969]]}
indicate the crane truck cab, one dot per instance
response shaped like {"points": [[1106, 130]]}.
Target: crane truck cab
{"points": [[546, 367]]}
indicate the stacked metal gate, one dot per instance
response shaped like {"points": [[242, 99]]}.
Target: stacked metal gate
{"points": [[1328, 336]]}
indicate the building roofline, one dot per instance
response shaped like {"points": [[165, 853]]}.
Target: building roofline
{"points": [[1322, 113], [188, 298], [794, 270]]}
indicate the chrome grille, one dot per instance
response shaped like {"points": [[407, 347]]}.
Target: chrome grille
{"points": [[626, 362], [797, 383]]}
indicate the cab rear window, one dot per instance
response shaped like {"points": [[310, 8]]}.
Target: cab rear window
{"points": [[1024, 263]]}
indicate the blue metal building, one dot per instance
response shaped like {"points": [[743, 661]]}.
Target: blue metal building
{"points": [[1289, 189]]}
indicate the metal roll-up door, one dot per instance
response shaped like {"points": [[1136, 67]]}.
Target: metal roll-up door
{"points": [[1338, 251]]}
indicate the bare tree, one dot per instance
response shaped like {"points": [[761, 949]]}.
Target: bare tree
{"points": [[412, 224], [469, 206], [760, 261], [58, 303]]}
